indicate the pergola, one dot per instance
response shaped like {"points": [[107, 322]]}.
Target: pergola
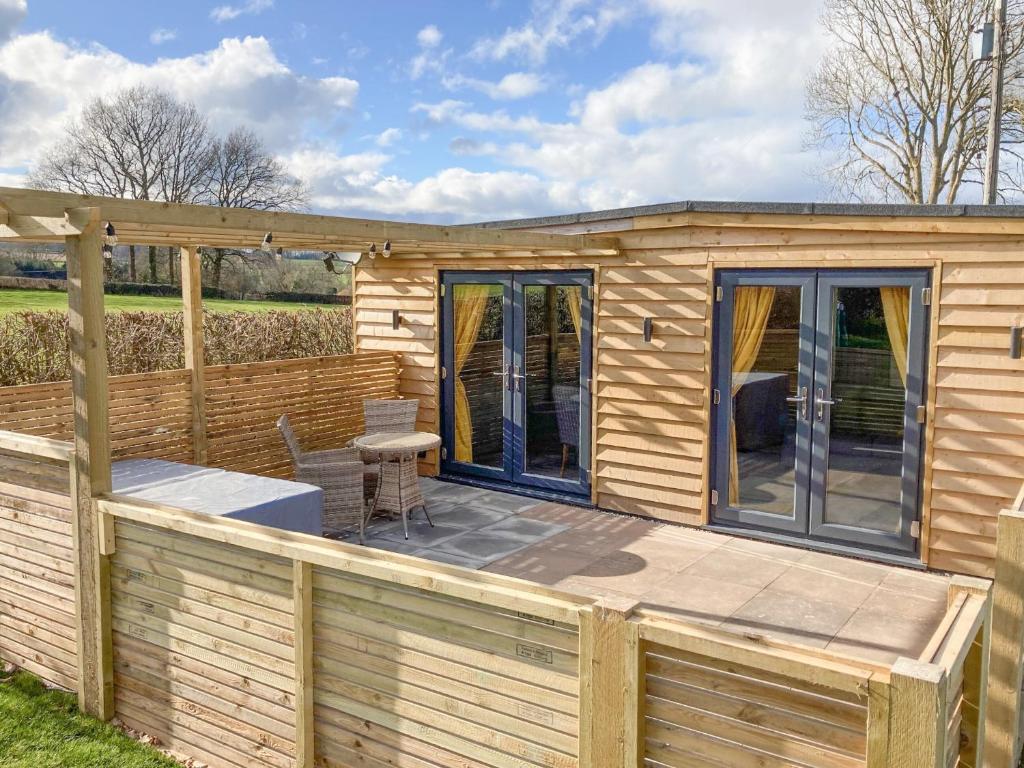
{"points": [[80, 222]]}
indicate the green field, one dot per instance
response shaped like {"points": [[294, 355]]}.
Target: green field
{"points": [[18, 300], [41, 728]]}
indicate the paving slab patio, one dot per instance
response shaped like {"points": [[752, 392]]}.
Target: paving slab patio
{"points": [[868, 610]]}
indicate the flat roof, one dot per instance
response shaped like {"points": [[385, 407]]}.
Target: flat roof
{"points": [[782, 209]]}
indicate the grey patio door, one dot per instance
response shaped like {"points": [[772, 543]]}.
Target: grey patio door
{"points": [[819, 376], [516, 366]]}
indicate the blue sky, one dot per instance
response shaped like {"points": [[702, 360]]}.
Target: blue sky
{"points": [[449, 111]]}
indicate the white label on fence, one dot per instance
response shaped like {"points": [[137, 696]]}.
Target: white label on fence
{"points": [[535, 653]]}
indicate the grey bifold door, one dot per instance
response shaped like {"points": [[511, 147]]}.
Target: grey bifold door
{"points": [[819, 383]]}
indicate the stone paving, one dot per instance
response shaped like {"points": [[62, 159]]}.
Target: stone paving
{"points": [[868, 610]]}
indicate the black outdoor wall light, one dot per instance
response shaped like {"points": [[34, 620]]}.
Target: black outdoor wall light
{"points": [[396, 319], [1016, 341], [648, 329]]}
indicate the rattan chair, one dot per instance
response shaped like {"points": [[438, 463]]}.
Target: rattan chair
{"points": [[339, 472], [390, 415], [567, 413], [385, 416]]}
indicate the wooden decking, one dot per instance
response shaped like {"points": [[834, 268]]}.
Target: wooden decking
{"points": [[856, 608]]}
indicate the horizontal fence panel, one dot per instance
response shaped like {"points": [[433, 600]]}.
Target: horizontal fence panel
{"points": [[204, 646], [37, 574], [405, 676], [323, 398], [150, 414], [701, 710]]}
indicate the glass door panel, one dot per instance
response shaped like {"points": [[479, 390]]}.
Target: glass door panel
{"points": [[478, 315], [551, 380], [551, 363], [517, 361], [868, 385], [762, 425], [819, 378]]}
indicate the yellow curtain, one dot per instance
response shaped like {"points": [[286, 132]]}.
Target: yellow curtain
{"points": [[574, 298], [469, 302], [896, 308], [752, 306]]}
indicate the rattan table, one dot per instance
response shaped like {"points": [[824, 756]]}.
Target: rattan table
{"points": [[398, 485]]}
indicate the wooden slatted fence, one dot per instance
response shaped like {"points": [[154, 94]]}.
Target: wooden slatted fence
{"points": [[236, 644], [322, 396], [37, 576], [151, 414], [714, 699]]}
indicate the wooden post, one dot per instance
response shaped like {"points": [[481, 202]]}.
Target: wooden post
{"points": [[91, 469], [917, 709], [975, 703], [879, 715], [195, 357], [302, 595], [605, 684], [633, 748], [1002, 721]]}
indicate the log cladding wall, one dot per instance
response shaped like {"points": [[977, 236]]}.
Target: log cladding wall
{"points": [[978, 462], [651, 398], [651, 407], [703, 711], [323, 397], [37, 588], [411, 289], [203, 644], [408, 677], [150, 413]]}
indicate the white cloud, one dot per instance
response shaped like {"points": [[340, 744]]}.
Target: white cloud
{"points": [[553, 24], [442, 111], [429, 37], [429, 59], [47, 82], [161, 35], [515, 85], [12, 12], [357, 183], [388, 136], [229, 12]]}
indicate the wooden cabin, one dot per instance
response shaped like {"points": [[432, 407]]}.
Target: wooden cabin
{"points": [[832, 376], [839, 378]]}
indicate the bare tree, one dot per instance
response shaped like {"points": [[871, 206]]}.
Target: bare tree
{"points": [[245, 175], [141, 143], [898, 106]]}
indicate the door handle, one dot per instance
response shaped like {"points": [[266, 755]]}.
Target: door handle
{"points": [[821, 401], [505, 374], [802, 400]]}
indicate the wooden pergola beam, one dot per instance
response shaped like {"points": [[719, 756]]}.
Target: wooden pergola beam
{"points": [[146, 221]]}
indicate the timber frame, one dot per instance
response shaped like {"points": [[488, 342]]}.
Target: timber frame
{"points": [[79, 221], [914, 711]]}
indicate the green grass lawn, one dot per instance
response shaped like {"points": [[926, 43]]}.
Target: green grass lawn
{"points": [[18, 300], [40, 728]]}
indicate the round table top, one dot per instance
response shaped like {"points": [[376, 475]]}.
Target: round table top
{"points": [[398, 442]]}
